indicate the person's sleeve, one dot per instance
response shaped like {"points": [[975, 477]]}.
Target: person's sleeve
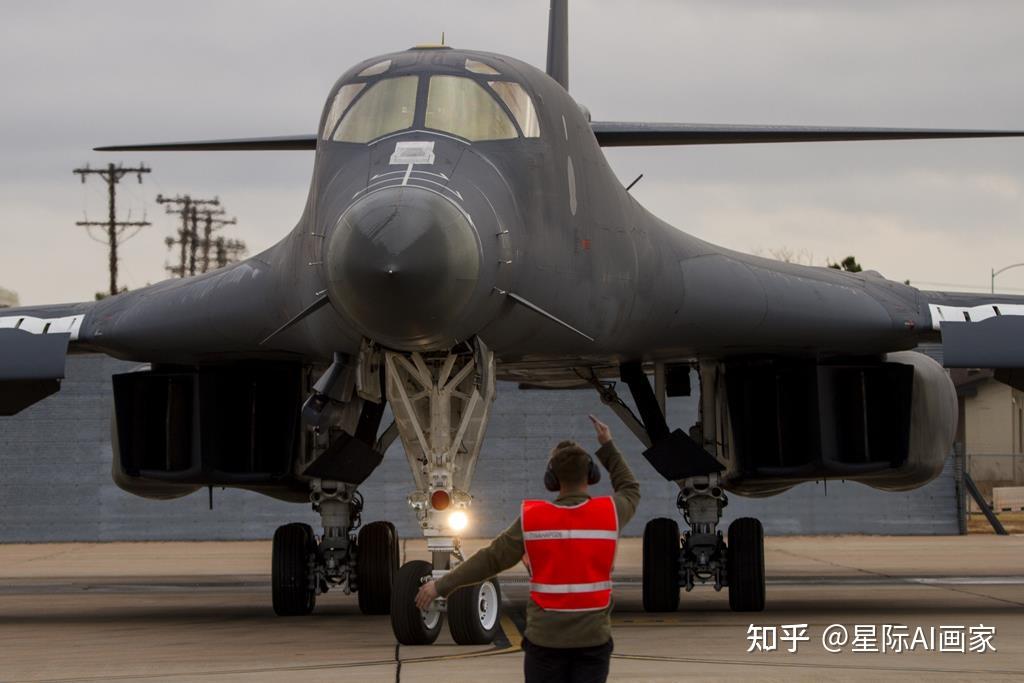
{"points": [[624, 482], [502, 553]]}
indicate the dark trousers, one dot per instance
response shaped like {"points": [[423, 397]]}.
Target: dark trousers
{"points": [[567, 665]]}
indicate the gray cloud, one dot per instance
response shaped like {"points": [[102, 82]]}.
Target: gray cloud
{"points": [[74, 75]]}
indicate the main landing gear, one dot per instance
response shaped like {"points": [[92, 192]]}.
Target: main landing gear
{"points": [[363, 563], [442, 405], [700, 555], [343, 415]]}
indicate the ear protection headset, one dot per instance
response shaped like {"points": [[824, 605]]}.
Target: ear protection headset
{"points": [[551, 482]]}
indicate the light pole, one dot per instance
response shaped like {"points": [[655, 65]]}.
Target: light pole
{"points": [[996, 272]]}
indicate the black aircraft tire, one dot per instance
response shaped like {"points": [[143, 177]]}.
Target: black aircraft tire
{"points": [[290, 581], [474, 613], [376, 565], [746, 565], [661, 565], [407, 621]]}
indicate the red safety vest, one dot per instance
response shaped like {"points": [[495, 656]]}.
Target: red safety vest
{"points": [[570, 552]]}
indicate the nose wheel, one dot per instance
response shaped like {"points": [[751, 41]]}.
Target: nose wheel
{"points": [[474, 613], [411, 625]]}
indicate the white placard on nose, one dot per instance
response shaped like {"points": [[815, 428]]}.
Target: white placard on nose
{"points": [[415, 152]]}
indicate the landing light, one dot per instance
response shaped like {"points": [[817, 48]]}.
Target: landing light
{"points": [[458, 520]]}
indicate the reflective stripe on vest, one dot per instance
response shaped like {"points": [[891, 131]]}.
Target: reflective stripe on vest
{"points": [[570, 552]]}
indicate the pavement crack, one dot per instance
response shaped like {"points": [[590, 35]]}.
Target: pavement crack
{"points": [[398, 664], [831, 563], [978, 595]]}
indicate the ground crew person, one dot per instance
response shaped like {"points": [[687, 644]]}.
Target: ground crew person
{"points": [[568, 546]]}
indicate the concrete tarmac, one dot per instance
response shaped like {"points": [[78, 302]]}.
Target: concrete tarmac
{"points": [[201, 612]]}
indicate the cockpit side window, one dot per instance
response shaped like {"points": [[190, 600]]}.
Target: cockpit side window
{"points": [[345, 95], [520, 104], [387, 106], [463, 107]]}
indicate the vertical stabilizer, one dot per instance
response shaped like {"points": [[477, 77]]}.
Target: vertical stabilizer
{"points": [[558, 42]]}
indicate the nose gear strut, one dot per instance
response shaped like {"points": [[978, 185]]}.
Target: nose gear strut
{"points": [[442, 404]]}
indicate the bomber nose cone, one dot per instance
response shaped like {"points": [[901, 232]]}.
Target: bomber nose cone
{"points": [[402, 263]]}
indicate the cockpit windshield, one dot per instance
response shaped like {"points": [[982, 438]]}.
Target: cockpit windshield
{"points": [[461, 106], [473, 107], [520, 104], [387, 106]]}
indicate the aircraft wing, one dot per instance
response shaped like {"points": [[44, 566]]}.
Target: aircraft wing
{"points": [[639, 134], [981, 331], [31, 367], [33, 346], [270, 144], [620, 134]]}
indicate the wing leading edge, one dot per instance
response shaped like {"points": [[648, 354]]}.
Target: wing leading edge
{"points": [[640, 134], [270, 144], [620, 134]]}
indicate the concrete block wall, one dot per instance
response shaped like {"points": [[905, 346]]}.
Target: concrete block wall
{"points": [[55, 478]]}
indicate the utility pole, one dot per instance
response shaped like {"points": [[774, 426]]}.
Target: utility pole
{"points": [[112, 175], [188, 234], [228, 251], [212, 221]]}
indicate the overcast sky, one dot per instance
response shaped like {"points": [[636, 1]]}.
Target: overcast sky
{"points": [[74, 75]]}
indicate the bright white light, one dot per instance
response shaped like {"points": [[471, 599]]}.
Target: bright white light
{"points": [[458, 520]]}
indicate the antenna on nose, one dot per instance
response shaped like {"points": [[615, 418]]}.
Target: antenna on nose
{"points": [[558, 42]]}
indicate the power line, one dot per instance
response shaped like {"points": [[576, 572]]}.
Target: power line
{"points": [[112, 175]]}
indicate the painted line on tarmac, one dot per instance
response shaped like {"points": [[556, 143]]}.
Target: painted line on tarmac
{"points": [[197, 675], [512, 634], [509, 641], [843, 580], [759, 662], [466, 655]]}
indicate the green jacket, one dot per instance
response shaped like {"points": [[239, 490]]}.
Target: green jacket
{"points": [[552, 629]]}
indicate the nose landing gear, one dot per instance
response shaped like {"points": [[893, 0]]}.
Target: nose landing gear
{"points": [[442, 406]]}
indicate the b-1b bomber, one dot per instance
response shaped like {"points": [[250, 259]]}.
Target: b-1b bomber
{"points": [[463, 228]]}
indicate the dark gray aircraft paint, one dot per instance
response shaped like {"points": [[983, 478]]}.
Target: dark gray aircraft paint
{"points": [[461, 205]]}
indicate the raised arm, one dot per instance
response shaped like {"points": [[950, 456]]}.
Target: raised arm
{"points": [[624, 482]]}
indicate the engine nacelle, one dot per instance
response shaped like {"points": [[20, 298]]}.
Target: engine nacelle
{"points": [[779, 422], [176, 430], [933, 422]]}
